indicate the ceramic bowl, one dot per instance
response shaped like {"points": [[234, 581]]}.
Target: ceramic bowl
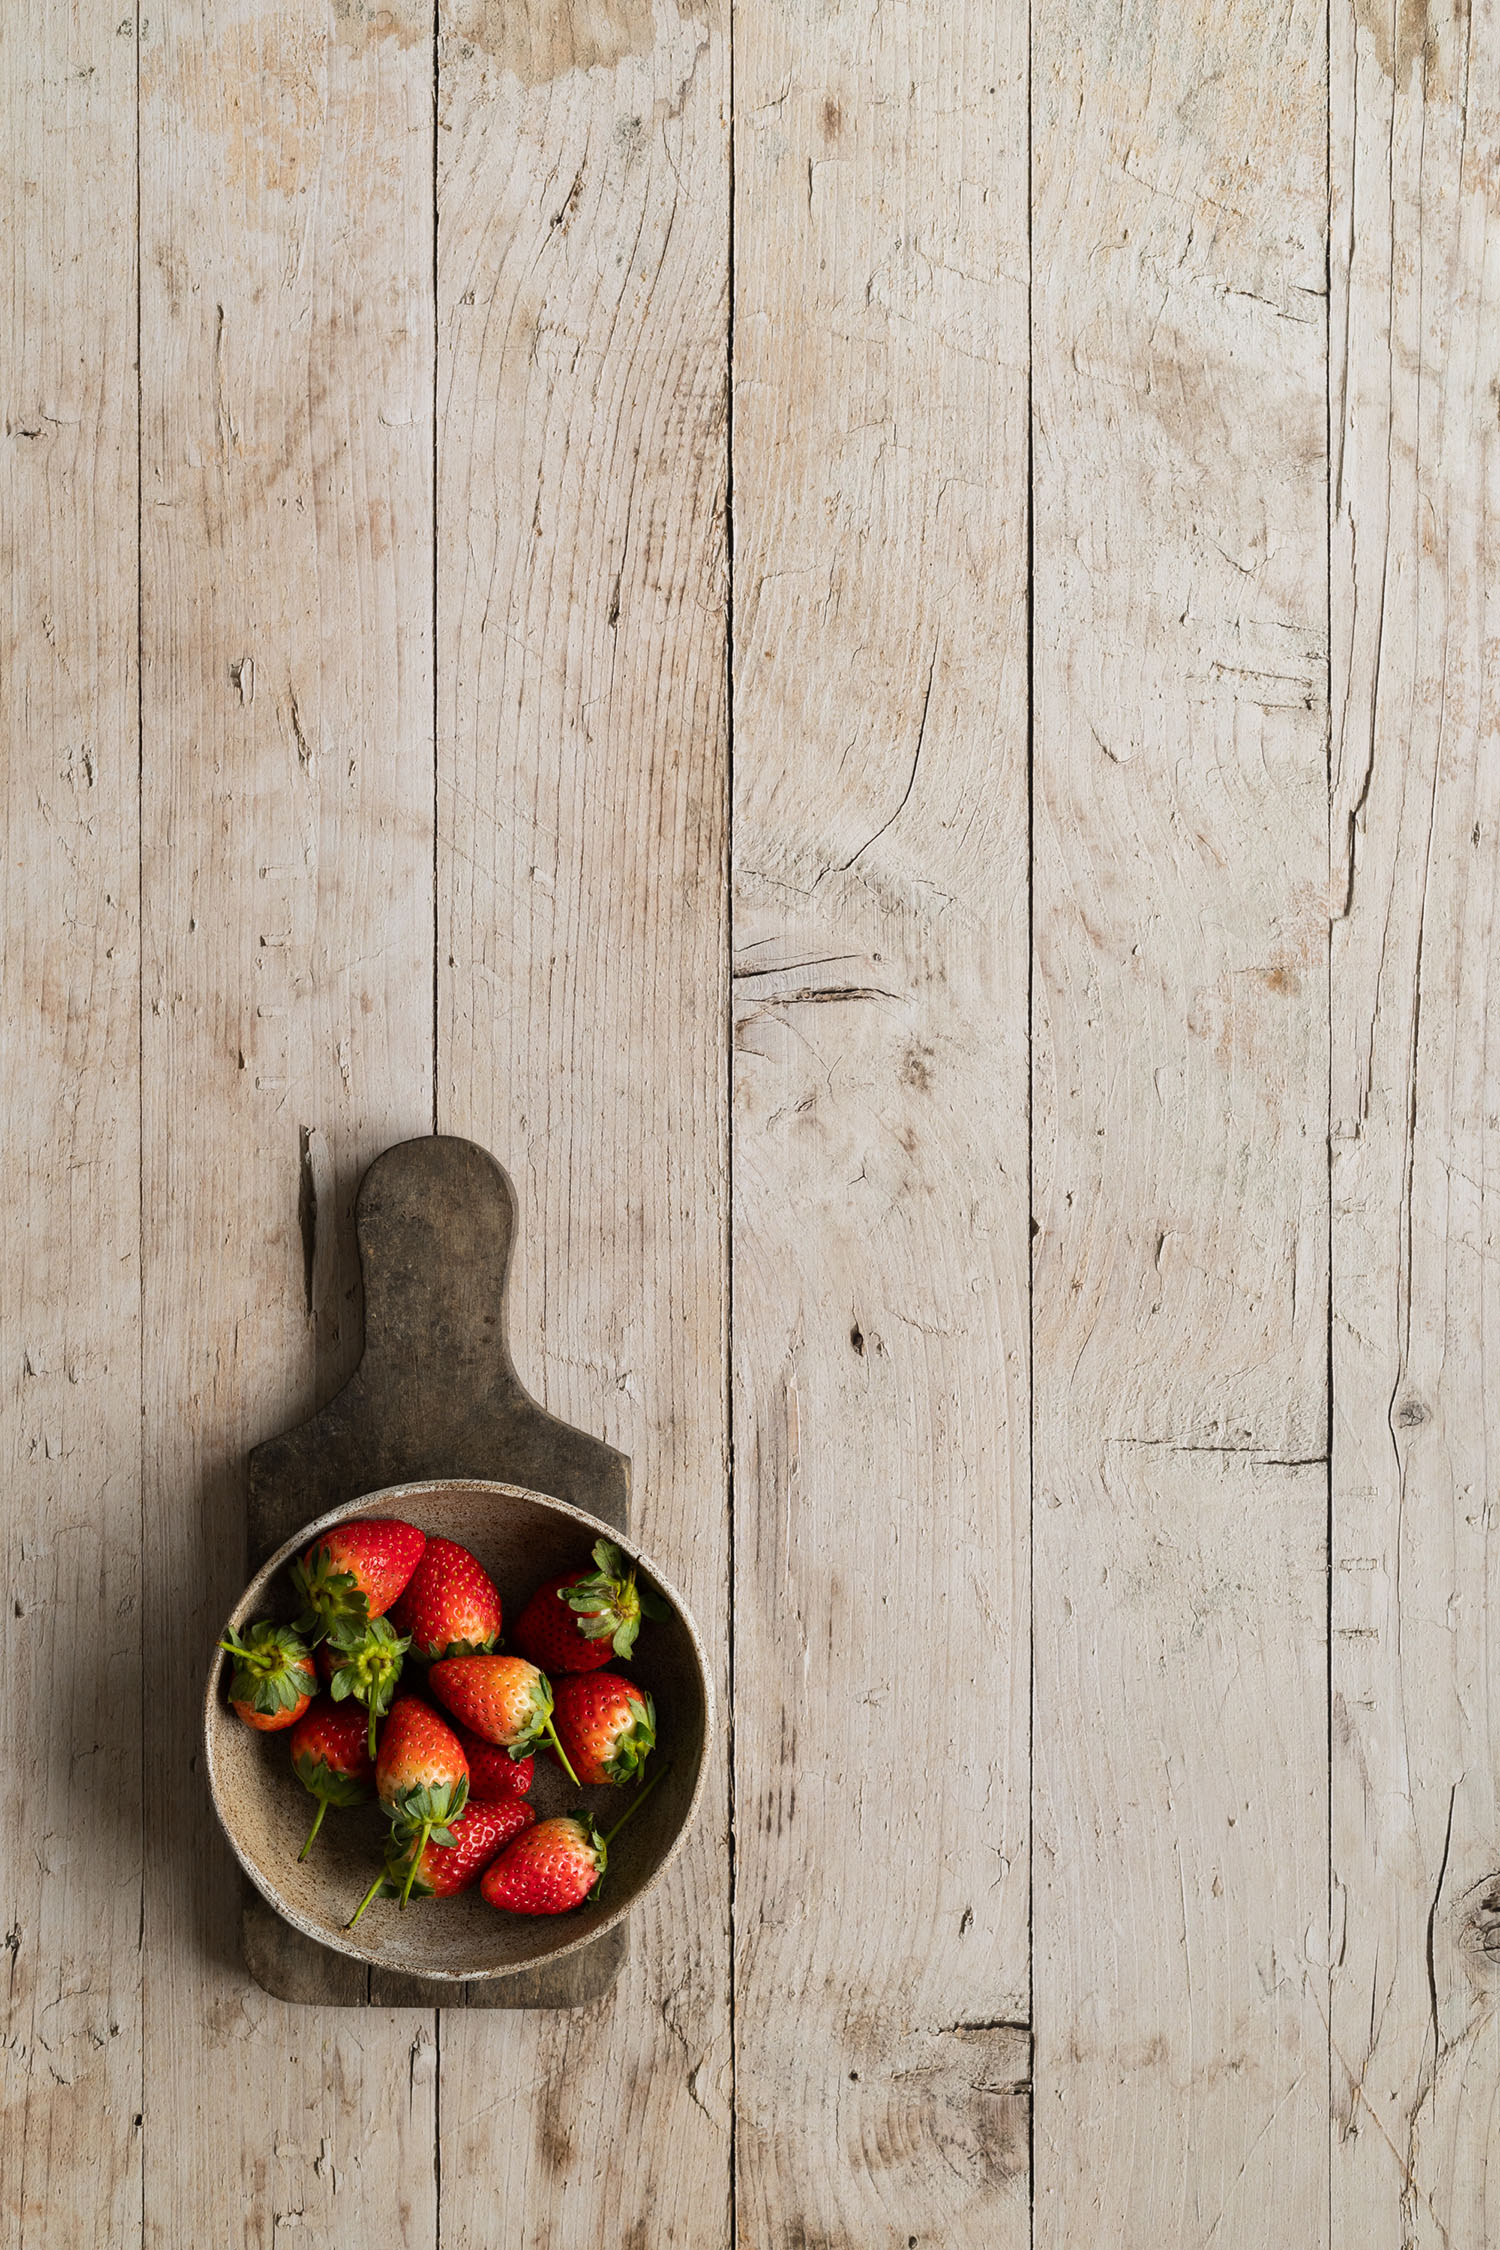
{"points": [[521, 1538]]}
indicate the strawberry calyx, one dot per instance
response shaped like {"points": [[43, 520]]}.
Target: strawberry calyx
{"points": [[538, 1724], [427, 1806], [367, 1664], [608, 1604], [328, 1593], [331, 1785], [419, 1816], [583, 1820], [635, 1741], [273, 1668]]}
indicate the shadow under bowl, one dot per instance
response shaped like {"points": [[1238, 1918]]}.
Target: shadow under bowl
{"points": [[521, 1538]]}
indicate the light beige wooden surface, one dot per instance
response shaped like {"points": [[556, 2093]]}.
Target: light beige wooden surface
{"points": [[880, 1147], [70, 1297], [1180, 1075], [879, 500], [582, 745], [1416, 842], [286, 1013]]}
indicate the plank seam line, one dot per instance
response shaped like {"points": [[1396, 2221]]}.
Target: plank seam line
{"points": [[437, 65], [732, 1494], [1329, 501], [1031, 1219], [140, 1098], [437, 18]]}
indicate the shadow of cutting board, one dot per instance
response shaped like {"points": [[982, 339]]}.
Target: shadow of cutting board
{"points": [[435, 1395]]}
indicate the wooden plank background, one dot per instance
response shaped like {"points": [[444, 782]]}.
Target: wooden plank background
{"points": [[862, 638]]}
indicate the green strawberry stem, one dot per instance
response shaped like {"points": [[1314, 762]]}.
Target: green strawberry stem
{"points": [[372, 1726], [417, 1850], [550, 1729], [312, 1832], [635, 1804], [364, 1902]]}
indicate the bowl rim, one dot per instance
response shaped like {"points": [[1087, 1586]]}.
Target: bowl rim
{"points": [[390, 1495]]}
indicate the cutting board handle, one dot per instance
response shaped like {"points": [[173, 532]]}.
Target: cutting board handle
{"points": [[436, 1393]]}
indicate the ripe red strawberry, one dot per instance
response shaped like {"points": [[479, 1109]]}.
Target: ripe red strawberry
{"points": [[578, 1621], [450, 1606], [355, 1571], [503, 1698], [366, 1663], [549, 1869], [555, 1866], [606, 1724], [273, 1680], [494, 1775], [440, 1870], [331, 1760], [421, 1775]]}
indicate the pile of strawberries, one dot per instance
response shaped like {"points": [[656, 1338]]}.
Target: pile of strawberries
{"points": [[378, 1596]]}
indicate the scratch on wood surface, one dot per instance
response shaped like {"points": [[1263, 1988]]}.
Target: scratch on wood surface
{"points": [[916, 759], [226, 435]]}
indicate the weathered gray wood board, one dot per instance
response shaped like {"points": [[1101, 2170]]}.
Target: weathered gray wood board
{"points": [[70, 1834], [582, 347], [435, 1394], [286, 749], [881, 1199], [1415, 333], [1180, 1041]]}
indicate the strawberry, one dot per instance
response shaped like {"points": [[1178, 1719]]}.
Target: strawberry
{"points": [[576, 1622], [607, 1725], [503, 1698], [331, 1760], [355, 1571], [494, 1774], [478, 1834], [273, 1680], [421, 1777], [555, 1866], [366, 1664], [450, 1606], [549, 1869]]}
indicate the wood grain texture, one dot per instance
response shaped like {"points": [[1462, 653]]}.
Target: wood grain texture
{"points": [[1180, 1072], [1416, 1141], [583, 238], [287, 367], [881, 1203], [70, 1849]]}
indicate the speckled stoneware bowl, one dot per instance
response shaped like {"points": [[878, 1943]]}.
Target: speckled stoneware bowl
{"points": [[521, 1538]]}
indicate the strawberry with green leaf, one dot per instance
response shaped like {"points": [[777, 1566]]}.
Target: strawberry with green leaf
{"points": [[607, 1725], [273, 1679], [421, 1778], [450, 1606], [355, 1571], [556, 1865], [366, 1664], [503, 1698], [441, 1870], [331, 1760], [578, 1621]]}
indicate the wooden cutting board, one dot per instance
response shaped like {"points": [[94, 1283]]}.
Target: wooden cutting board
{"points": [[434, 1395]]}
